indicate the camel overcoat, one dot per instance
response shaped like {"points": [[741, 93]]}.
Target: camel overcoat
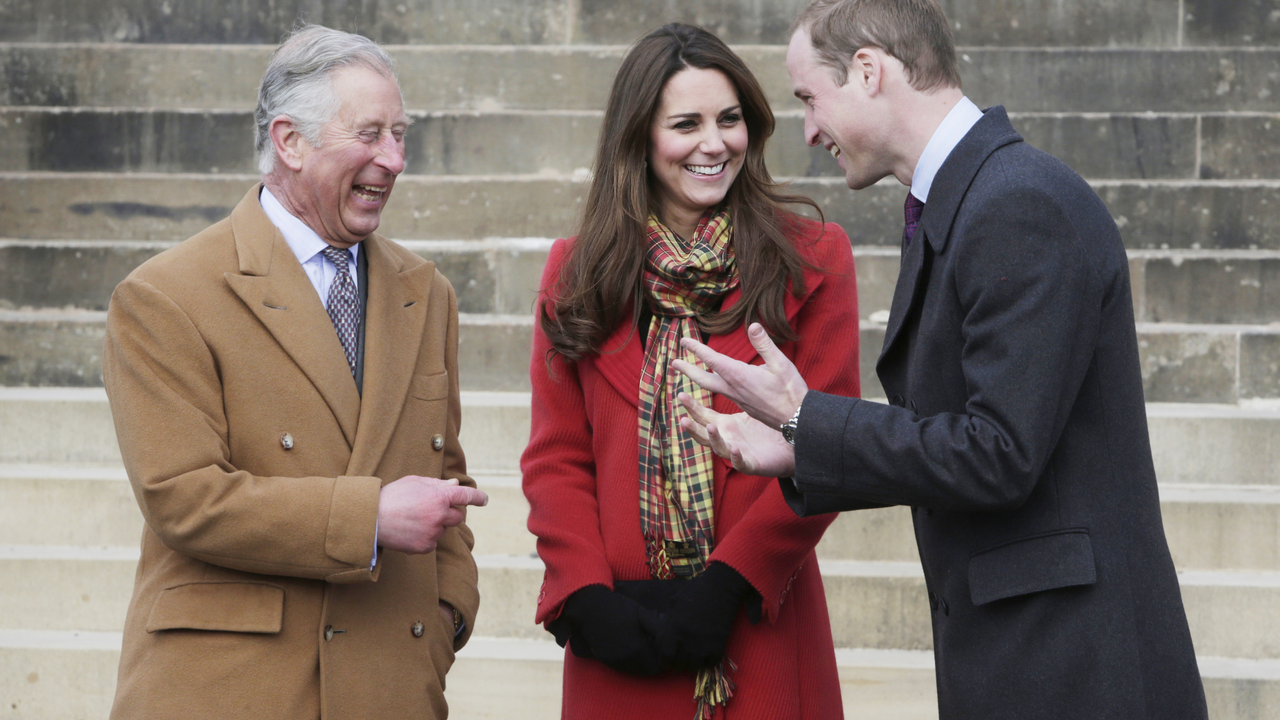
{"points": [[257, 466]]}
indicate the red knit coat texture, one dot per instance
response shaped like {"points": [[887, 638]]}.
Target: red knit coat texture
{"points": [[581, 479]]}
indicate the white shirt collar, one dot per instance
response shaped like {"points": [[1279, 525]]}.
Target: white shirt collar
{"points": [[302, 240], [949, 134]]}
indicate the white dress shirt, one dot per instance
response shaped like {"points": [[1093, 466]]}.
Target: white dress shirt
{"points": [[949, 134], [307, 245]]}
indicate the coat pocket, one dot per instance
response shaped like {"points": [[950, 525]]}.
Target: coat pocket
{"points": [[227, 606], [430, 387], [1044, 562]]}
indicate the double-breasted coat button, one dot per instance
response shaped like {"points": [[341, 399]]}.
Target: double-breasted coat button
{"points": [[946, 609], [437, 442], [286, 441], [328, 632], [898, 401], [933, 601], [417, 629]]}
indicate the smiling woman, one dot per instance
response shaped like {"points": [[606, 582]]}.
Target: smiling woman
{"points": [[666, 569]]}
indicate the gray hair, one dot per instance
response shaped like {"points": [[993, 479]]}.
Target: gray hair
{"points": [[298, 84]]}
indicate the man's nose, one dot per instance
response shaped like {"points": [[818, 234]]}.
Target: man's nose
{"points": [[810, 129], [390, 155]]}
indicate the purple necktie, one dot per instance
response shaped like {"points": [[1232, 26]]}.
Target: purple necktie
{"points": [[344, 303], [911, 212]]}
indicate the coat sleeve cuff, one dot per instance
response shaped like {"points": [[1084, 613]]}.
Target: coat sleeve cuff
{"points": [[353, 523]]}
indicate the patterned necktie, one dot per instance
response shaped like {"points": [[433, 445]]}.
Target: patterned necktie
{"points": [[911, 211], [344, 304]]}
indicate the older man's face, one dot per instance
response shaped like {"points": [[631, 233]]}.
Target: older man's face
{"points": [[344, 184]]}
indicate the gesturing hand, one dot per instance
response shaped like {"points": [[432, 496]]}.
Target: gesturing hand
{"points": [[753, 447], [414, 511], [769, 393]]}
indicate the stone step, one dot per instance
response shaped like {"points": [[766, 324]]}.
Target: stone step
{"points": [[501, 277], [578, 76], [71, 675], [1180, 362], [1192, 443], [552, 22], [1209, 527], [1098, 146], [1157, 214], [872, 604]]}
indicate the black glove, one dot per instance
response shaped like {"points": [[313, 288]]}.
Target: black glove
{"points": [[600, 624], [696, 628]]}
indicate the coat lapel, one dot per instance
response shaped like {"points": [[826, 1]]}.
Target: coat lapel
{"points": [[950, 184], [275, 288], [394, 320], [623, 356]]}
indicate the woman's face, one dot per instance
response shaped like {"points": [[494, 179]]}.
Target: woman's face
{"points": [[696, 145]]}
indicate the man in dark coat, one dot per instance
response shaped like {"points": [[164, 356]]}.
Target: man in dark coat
{"points": [[1016, 428]]}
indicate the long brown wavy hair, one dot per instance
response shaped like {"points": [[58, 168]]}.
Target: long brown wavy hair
{"points": [[601, 279]]}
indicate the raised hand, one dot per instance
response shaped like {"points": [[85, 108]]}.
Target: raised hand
{"points": [[769, 393], [753, 447], [414, 511]]}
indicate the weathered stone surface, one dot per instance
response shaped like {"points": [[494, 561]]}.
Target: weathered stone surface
{"points": [[1195, 215], [1008, 22], [82, 276], [1122, 80], [1214, 445], [1118, 146], [1240, 147], [1225, 289], [138, 141], [1187, 366], [1260, 365], [878, 534], [204, 21], [57, 352], [1102, 80], [494, 355], [1233, 22]]}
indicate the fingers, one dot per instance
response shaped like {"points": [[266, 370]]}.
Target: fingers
{"points": [[460, 495], [772, 356], [710, 381]]}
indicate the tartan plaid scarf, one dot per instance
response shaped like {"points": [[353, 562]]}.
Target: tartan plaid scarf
{"points": [[682, 279]]}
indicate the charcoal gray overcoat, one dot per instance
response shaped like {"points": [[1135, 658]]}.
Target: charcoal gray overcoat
{"points": [[1017, 432]]}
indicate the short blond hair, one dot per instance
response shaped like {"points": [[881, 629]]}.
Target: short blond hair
{"points": [[915, 32]]}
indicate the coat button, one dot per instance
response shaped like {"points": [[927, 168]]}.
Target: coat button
{"points": [[328, 632], [946, 609], [933, 601], [913, 407], [417, 629], [437, 442], [286, 441], [897, 401]]}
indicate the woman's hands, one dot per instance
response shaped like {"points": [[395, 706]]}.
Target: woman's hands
{"points": [[687, 627]]}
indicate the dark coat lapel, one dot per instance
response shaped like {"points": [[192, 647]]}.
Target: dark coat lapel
{"points": [[393, 323], [951, 183], [275, 288], [623, 356]]}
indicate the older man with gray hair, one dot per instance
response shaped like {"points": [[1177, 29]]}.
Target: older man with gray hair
{"points": [[285, 391]]}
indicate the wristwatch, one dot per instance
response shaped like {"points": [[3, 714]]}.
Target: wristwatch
{"points": [[788, 428]]}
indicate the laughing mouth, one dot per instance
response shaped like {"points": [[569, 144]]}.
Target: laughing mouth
{"points": [[368, 192], [705, 169]]}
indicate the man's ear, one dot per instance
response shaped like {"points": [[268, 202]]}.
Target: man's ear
{"points": [[288, 142], [867, 69]]}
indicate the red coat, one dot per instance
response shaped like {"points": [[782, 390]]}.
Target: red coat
{"points": [[581, 478]]}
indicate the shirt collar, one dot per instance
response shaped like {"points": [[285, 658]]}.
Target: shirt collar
{"points": [[949, 134], [302, 240]]}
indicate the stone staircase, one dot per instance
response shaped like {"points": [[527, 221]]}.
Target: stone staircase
{"points": [[128, 129]]}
